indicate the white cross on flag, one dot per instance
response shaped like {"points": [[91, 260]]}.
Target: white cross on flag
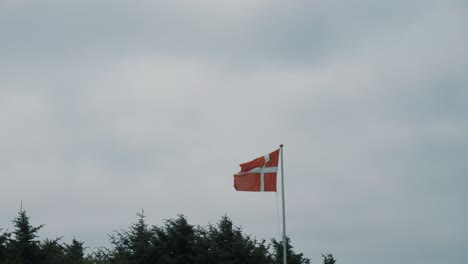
{"points": [[258, 175]]}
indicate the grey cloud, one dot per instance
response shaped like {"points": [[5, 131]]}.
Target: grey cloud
{"points": [[302, 31]]}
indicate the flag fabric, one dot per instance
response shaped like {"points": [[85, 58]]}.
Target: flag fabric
{"points": [[258, 175]]}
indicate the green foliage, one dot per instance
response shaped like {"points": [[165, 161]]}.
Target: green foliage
{"points": [[227, 244], [73, 253], [3, 245], [100, 256], [175, 242], [292, 257], [52, 251], [328, 259], [23, 247], [133, 245]]}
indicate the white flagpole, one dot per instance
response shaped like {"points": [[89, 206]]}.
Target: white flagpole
{"points": [[285, 261]]}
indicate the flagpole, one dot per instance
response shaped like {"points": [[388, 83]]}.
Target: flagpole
{"points": [[285, 261]]}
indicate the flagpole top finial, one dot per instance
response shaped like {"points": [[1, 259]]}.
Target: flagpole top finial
{"points": [[281, 145]]}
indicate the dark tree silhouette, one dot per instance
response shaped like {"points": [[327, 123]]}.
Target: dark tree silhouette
{"points": [[292, 257], [4, 236], [227, 244], [74, 252], [23, 247], [175, 242], [52, 251], [328, 259], [177, 239]]}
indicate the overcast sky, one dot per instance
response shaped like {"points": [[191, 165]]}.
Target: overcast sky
{"points": [[108, 107]]}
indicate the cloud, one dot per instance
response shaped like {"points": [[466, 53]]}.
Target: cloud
{"points": [[258, 31]]}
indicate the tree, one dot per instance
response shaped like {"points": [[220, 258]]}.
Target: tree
{"points": [[292, 257], [23, 247], [136, 245], [102, 255], [227, 244], [133, 245], [261, 254], [139, 241], [3, 245], [176, 241], [73, 253], [52, 252], [328, 259]]}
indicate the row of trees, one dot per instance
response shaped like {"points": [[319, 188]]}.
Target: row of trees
{"points": [[22, 247], [175, 242]]}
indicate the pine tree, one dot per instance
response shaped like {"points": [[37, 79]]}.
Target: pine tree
{"points": [[177, 240], [133, 245], [227, 244], [102, 255], [139, 241], [3, 245], [328, 259], [292, 257], [52, 251], [23, 247], [261, 254], [74, 252]]}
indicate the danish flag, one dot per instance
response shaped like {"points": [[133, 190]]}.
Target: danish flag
{"points": [[258, 175]]}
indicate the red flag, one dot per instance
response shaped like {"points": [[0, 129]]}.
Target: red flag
{"points": [[258, 175]]}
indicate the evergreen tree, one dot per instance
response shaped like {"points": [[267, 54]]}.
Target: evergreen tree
{"points": [[133, 245], [292, 257], [23, 247], [74, 252], [52, 251], [328, 259], [102, 255], [3, 245], [177, 241], [227, 244], [120, 254], [261, 254], [139, 239]]}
